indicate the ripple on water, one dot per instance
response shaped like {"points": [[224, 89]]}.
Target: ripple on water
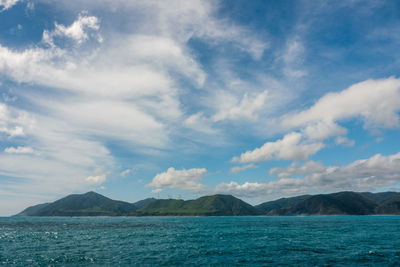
{"points": [[201, 241]]}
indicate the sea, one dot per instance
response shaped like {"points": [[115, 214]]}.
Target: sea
{"points": [[200, 241]]}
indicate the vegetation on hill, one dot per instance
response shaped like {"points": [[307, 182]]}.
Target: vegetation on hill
{"points": [[281, 203], [142, 203], [342, 203], [31, 211], [216, 205], [89, 204]]}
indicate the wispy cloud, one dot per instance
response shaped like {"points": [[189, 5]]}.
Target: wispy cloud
{"points": [[6, 4], [125, 172], [237, 169], [19, 150]]}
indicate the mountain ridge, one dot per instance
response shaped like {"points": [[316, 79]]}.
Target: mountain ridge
{"points": [[340, 203]]}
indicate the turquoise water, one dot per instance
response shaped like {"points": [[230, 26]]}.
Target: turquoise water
{"points": [[199, 241]]}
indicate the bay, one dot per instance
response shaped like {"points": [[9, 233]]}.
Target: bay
{"points": [[200, 241]]}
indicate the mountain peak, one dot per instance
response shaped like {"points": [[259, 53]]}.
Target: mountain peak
{"points": [[87, 204]]}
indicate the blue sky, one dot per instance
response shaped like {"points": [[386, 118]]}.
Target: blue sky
{"points": [[136, 99]]}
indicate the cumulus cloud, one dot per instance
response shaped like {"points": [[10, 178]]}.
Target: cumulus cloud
{"points": [[96, 180], [323, 129], [290, 147], [181, 179], [6, 4], [237, 169], [376, 101], [293, 169], [19, 150], [361, 175]]}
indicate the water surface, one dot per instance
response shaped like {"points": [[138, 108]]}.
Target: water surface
{"points": [[226, 241]]}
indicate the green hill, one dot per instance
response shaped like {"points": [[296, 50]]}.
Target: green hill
{"points": [[390, 205], [281, 203], [89, 204], [342, 203], [140, 204], [30, 211], [216, 205], [380, 197]]}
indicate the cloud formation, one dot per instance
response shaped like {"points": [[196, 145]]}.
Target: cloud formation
{"points": [[245, 108], [376, 101], [361, 175], [6, 4], [94, 84], [125, 172], [77, 31], [14, 121], [237, 169], [181, 179], [290, 147], [19, 150], [96, 180]]}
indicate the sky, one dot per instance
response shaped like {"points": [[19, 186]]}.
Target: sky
{"points": [[180, 99]]}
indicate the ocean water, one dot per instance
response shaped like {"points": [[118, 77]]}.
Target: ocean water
{"points": [[201, 241]]}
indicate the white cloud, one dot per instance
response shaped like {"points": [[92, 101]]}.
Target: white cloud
{"points": [[6, 4], [182, 20], [16, 131], [323, 129], [237, 169], [19, 150], [376, 101], [290, 147], [124, 89], [181, 179], [293, 58], [163, 51], [361, 175], [14, 122], [125, 172], [245, 108], [185, 20], [96, 180], [342, 140], [61, 159], [130, 87], [293, 169], [77, 31], [199, 123]]}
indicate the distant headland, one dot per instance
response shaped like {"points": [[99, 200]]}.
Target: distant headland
{"points": [[341, 203]]}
